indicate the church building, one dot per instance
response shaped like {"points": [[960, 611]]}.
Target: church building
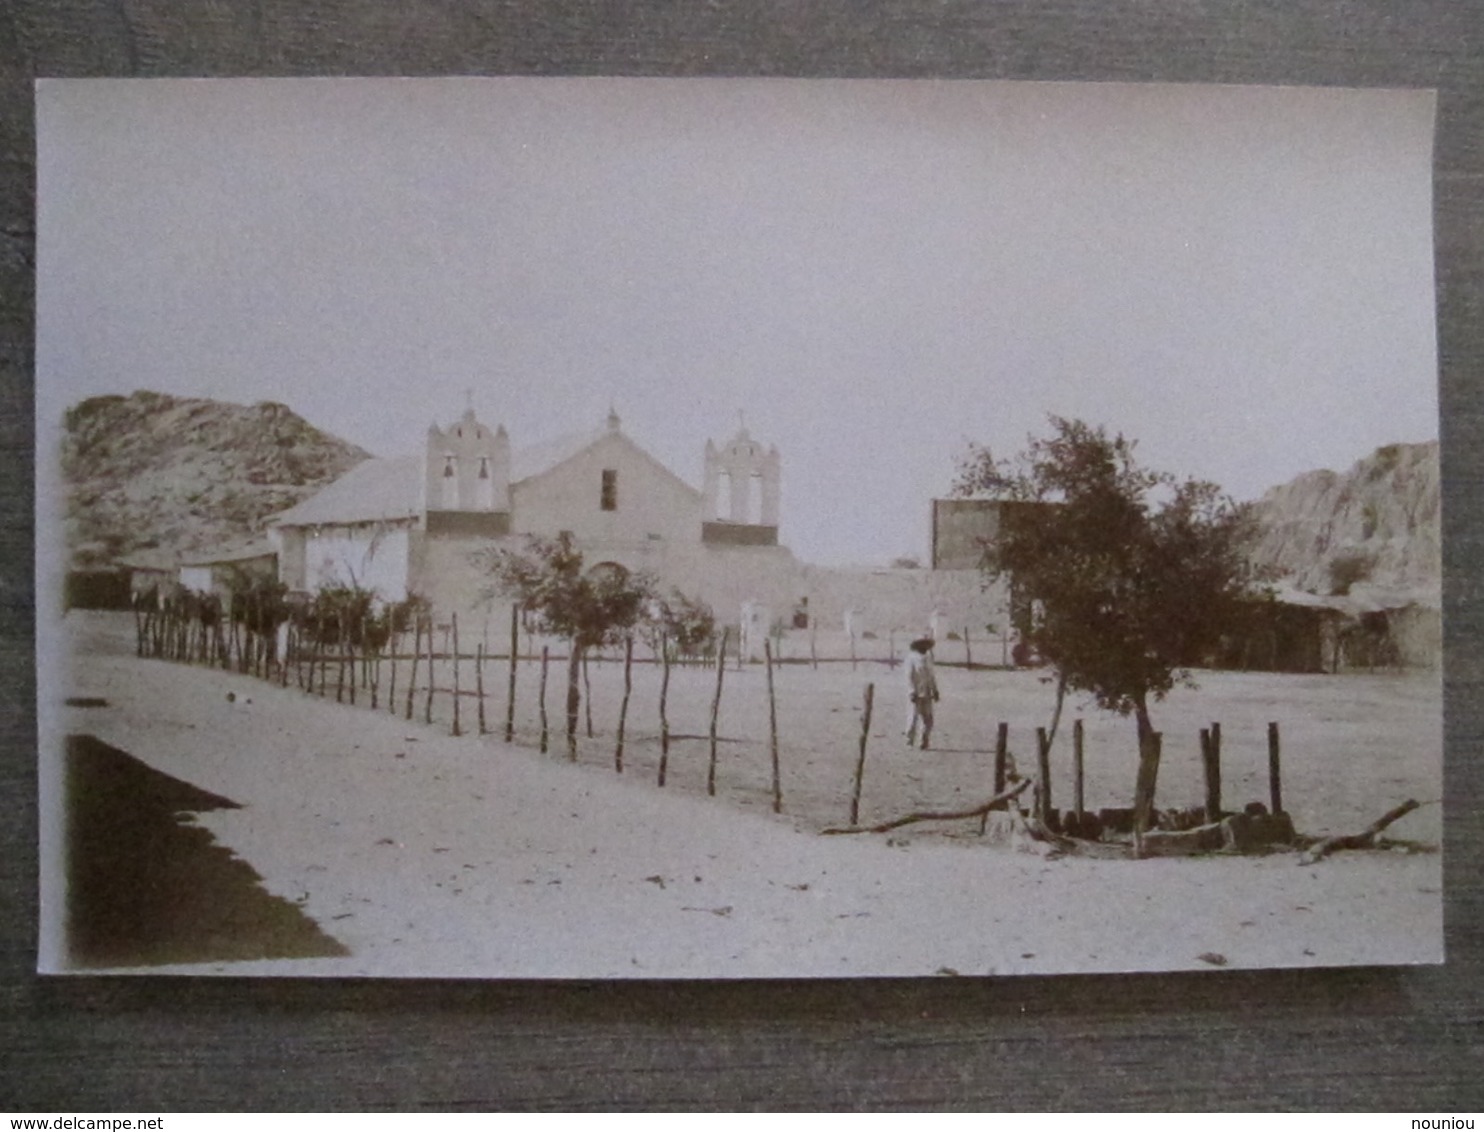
{"points": [[423, 524], [412, 525]]}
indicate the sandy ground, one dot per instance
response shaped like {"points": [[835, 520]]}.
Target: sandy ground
{"points": [[429, 855]]}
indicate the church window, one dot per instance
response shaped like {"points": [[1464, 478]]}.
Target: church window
{"points": [[448, 470], [608, 498], [484, 467]]}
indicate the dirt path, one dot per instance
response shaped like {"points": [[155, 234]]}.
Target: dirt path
{"points": [[427, 855]]}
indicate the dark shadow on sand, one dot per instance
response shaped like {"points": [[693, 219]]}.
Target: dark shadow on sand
{"points": [[145, 887]]}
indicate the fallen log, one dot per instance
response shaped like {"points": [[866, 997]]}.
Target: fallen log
{"points": [[937, 815], [1363, 840]]}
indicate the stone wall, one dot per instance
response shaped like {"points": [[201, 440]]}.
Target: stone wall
{"points": [[892, 605]]}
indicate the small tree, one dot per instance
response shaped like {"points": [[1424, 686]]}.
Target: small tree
{"points": [[1133, 574], [590, 608], [685, 625]]}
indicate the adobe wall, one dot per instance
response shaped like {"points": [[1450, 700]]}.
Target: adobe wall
{"points": [[1417, 632], [905, 600], [373, 558], [960, 529]]}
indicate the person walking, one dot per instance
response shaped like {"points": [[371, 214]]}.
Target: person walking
{"points": [[922, 691]]}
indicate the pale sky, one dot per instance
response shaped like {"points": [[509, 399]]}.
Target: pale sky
{"points": [[874, 272]]}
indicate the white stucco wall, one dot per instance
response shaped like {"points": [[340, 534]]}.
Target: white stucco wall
{"points": [[372, 559], [651, 501], [196, 578]]}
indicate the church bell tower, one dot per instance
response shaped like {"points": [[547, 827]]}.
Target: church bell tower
{"points": [[467, 479], [741, 492]]}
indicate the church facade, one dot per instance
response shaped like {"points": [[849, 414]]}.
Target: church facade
{"points": [[408, 525]]}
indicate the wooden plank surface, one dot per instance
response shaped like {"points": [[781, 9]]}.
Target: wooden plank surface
{"points": [[1369, 1039]]}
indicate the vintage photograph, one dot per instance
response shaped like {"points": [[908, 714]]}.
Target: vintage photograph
{"points": [[735, 528]]}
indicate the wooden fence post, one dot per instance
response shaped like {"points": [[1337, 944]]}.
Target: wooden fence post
{"points": [[1078, 800], [394, 641], [1001, 756], [773, 730], [1043, 773], [455, 624], [541, 697], [721, 666], [479, 684], [1211, 764], [299, 654], [623, 707], [813, 642], [510, 689], [664, 712], [1001, 767], [587, 696], [860, 761], [340, 659], [574, 695], [1275, 770], [348, 647], [432, 676], [968, 652], [417, 650]]}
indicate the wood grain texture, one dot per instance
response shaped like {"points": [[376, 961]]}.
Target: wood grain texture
{"points": [[1365, 1039]]}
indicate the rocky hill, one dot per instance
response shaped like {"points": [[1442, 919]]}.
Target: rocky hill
{"points": [[150, 472], [1376, 526]]}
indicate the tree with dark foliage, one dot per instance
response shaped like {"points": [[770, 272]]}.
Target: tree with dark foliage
{"points": [[1131, 572], [684, 625], [591, 608]]}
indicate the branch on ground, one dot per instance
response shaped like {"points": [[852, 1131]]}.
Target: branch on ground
{"points": [[938, 815], [1362, 840]]}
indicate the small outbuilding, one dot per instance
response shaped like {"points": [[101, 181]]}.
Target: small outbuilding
{"points": [[229, 568]]}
